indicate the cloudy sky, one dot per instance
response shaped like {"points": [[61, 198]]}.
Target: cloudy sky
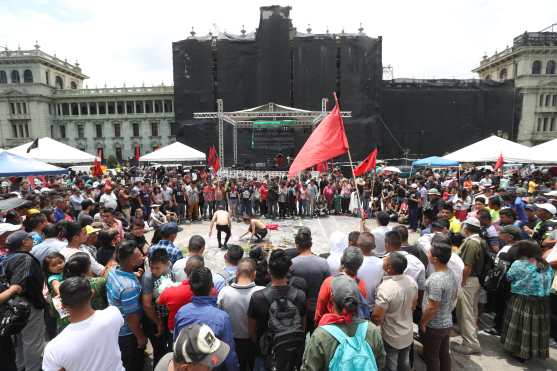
{"points": [[129, 41]]}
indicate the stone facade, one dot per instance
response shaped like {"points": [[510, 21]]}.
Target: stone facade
{"points": [[41, 95], [531, 63]]}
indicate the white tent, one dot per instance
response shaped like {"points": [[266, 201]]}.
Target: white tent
{"points": [[489, 150], [547, 150], [54, 152], [175, 152]]}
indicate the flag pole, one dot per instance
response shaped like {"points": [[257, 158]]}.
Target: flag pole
{"points": [[373, 187], [360, 206]]}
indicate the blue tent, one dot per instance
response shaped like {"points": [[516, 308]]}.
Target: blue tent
{"points": [[434, 161], [15, 165]]}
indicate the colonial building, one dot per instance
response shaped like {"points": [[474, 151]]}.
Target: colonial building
{"points": [[42, 95], [531, 63]]}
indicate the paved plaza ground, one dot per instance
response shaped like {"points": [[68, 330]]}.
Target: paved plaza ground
{"points": [[493, 357]]}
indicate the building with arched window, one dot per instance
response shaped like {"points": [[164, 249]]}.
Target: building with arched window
{"points": [[530, 63], [53, 103]]}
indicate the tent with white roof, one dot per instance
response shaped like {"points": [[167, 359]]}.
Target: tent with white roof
{"points": [[547, 150], [489, 150], [53, 152], [175, 152]]}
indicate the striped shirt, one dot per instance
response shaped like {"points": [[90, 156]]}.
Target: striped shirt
{"points": [[124, 292]]}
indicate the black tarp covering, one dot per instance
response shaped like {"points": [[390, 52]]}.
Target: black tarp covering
{"points": [[439, 116], [314, 71]]}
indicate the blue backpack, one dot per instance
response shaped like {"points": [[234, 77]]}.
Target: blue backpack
{"points": [[352, 353]]}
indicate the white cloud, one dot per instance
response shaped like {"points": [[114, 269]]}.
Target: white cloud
{"points": [[123, 41]]}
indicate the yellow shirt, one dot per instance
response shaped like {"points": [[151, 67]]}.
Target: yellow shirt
{"points": [[532, 186], [454, 225]]}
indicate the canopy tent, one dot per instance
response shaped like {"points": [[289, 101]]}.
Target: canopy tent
{"points": [[15, 165], [175, 152], [489, 150], [434, 161], [547, 150], [53, 152]]}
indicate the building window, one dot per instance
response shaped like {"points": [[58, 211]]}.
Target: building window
{"points": [[173, 128], [550, 67], [168, 105], [73, 85], [139, 107], [545, 122], [14, 131], [15, 77], [58, 83], [27, 76], [547, 98], [135, 130], [540, 122], [92, 108], [3, 77], [129, 107], [154, 129], [80, 131], [99, 130], [75, 109], [24, 108], [12, 108], [111, 108], [52, 131], [552, 124], [47, 77], [119, 154], [554, 100], [503, 74], [83, 108], [158, 106], [536, 68], [541, 100], [62, 131], [117, 130], [26, 127], [148, 106], [102, 108], [120, 108], [18, 105]]}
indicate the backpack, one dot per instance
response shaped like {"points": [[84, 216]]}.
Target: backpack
{"points": [[494, 279], [352, 353], [14, 313], [283, 342], [488, 262]]}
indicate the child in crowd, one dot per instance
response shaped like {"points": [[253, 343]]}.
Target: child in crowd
{"points": [[53, 267]]}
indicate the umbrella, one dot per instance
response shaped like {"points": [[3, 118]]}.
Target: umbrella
{"points": [[392, 169], [15, 165]]}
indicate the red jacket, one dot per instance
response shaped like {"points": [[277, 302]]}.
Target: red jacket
{"points": [[325, 298], [175, 297]]}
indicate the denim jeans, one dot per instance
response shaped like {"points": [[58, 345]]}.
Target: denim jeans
{"points": [[397, 359]]}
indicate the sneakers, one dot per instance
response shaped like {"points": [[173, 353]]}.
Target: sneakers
{"points": [[463, 349]]}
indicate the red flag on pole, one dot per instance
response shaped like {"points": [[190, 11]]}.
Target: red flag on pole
{"points": [[500, 162], [97, 170], [327, 141], [367, 164], [322, 167], [211, 156], [137, 152]]}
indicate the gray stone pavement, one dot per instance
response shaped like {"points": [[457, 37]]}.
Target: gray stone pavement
{"points": [[493, 357]]}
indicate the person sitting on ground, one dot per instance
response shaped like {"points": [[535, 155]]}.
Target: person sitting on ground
{"points": [[397, 297], [196, 349], [203, 309], [257, 228], [196, 247], [66, 351], [234, 299], [351, 261], [223, 221], [228, 274], [323, 343], [157, 217]]}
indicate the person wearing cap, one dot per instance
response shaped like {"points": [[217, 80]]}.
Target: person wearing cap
{"points": [[434, 200], [351, 261], [90, 341], [169, 232], [542, 231], [397, 297], [203, 309], [471, 253], [92, 235], [157, 217], [196, 349], [23, 269], [322, 345]]}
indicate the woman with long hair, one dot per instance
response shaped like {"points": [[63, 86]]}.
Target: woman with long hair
{"points": [[526, 326]]}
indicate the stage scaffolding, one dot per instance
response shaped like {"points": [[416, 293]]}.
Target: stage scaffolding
{"points": [[270, 111]]}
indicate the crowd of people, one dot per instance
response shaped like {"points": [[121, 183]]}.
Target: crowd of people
{"points": [[81, 288]]}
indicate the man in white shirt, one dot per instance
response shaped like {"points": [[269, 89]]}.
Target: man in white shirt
{"points": [[196, 246], [379, 233], [90, 341], [371, 270], [108, 199], [415, 268]]}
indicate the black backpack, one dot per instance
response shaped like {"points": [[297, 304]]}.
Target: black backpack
{"points": [[14, 313], [283, 343], [495, 279]]}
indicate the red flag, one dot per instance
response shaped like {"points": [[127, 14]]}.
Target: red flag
{"points": [[500, 162], [327, 141], [97, 170], [322, 167], [367, 164], [211, 156], [137, 152]]}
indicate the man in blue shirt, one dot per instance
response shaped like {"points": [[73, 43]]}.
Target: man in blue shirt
{"points": [[203, 309], [228, 275], [169, 232], [124, 292], [519, 206]]}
